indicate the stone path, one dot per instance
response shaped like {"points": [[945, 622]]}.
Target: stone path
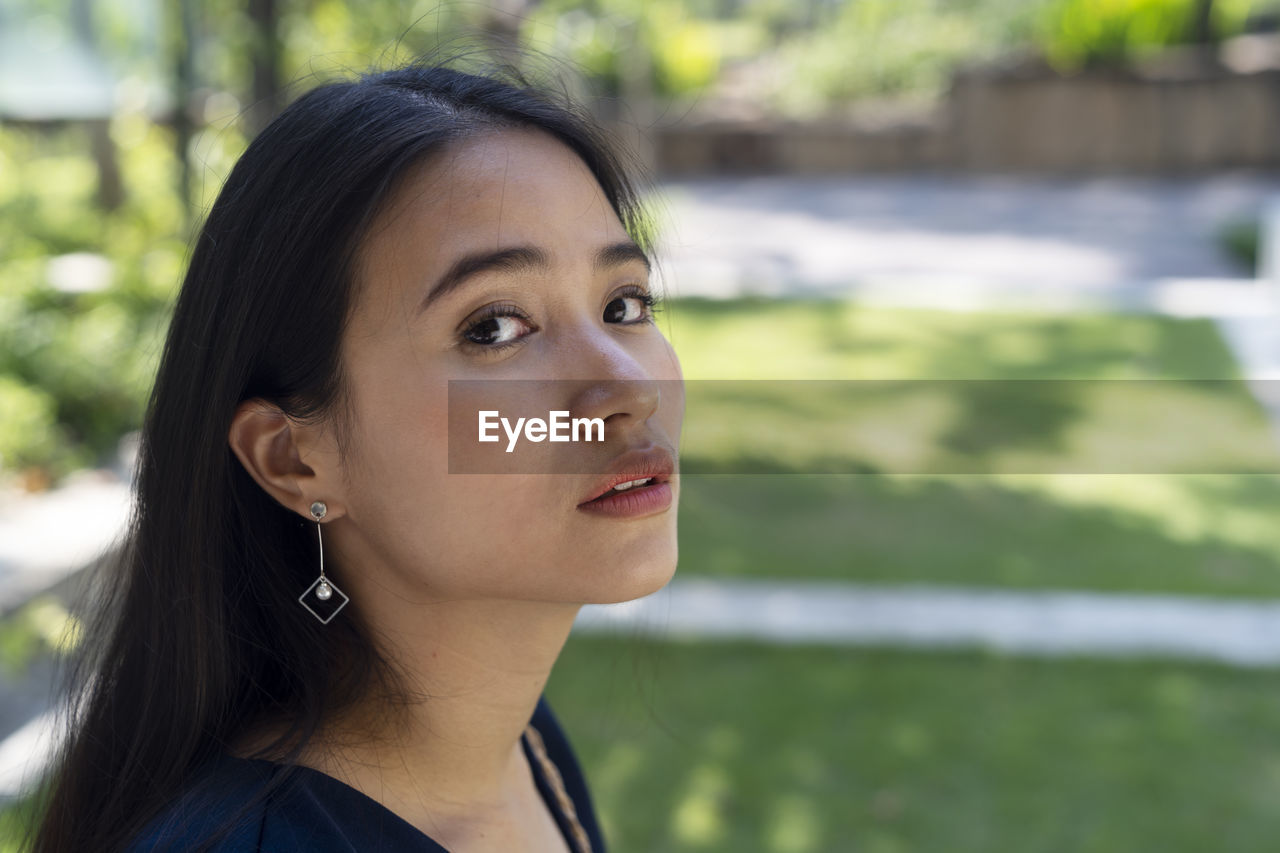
{"points": [[1236, 632], [43, 537], [1110, 242]]}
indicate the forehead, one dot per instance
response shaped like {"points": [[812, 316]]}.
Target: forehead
{"points": [[499, 188]]}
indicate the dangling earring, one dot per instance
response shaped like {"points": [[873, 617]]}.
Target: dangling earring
{"points": [[322, 598]]}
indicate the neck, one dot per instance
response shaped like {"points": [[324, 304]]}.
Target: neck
{"points": [[478, 668]]}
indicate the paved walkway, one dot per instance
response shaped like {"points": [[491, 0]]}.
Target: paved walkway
{"points": [[43, 537], [960, 243], [1116, 243], [1235, 632]]}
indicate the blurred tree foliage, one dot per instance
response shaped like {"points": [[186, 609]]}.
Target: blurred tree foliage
{"points": [[664, 47], [75, 363], [1076, 33], [904, 47], [813, 54]]}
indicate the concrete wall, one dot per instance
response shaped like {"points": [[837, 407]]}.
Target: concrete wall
{"points": [[1178, 119]]}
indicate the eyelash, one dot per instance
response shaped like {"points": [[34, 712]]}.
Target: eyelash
{"points": [[652, 305]]}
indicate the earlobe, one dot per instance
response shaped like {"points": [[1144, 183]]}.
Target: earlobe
{"points": [[265, 442]]}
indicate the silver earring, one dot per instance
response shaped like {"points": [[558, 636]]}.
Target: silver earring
{"points": [[322, 598]]}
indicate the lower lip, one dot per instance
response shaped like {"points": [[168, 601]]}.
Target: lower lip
{"points": [[634, 502]]}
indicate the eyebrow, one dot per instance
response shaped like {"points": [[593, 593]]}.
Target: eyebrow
{"points": [[522, 259], [621, 253]]}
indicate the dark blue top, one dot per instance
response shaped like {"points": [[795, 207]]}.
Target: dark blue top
{"points": [[314, 812]]}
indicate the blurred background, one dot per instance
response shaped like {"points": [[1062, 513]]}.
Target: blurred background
{"points": [[1016, 659]]}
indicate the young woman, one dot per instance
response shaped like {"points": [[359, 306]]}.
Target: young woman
{"points": [[337, 610]]}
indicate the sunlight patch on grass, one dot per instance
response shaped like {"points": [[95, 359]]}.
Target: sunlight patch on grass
{"points": [[793, 825], [698, 820]]}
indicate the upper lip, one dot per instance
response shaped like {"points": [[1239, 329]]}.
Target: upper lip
{"points": [[637, 464]]}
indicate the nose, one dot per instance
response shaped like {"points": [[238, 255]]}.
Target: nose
{"points": [[616, 401], [618, 387]]}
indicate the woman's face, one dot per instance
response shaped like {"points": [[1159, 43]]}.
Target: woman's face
{"points": [[539, 285]]}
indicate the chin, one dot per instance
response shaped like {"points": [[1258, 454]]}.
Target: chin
{"points": [[637, 581]]}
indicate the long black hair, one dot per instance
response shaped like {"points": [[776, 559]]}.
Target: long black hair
{"points": [[198, 633]]}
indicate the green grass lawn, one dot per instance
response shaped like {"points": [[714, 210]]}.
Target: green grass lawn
{"points": [[758, 338], [752, 506], [743, 747], [1219, 536]]}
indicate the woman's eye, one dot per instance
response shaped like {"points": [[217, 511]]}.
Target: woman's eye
{"points": [[499, 326], [635, 307], [497, 330]]}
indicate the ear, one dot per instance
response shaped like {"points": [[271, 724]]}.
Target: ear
{"points": [[271, 448]]}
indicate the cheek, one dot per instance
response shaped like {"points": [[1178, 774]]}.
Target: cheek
{"points": [[472, 535], [420, 526]]}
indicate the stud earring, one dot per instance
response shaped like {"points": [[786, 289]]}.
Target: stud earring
{"points": [[322, 598]]}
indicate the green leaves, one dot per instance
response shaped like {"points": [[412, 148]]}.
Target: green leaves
{"points": [[1078, 33]]}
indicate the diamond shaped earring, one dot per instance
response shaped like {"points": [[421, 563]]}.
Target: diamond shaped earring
{"points": [[323, 598]]}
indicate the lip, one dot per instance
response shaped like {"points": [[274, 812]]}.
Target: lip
{"points": [[653, 461], [633, 503]]}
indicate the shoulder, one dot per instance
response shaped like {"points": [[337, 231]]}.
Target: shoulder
{"points": [[222, 807], [239, 805]]}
